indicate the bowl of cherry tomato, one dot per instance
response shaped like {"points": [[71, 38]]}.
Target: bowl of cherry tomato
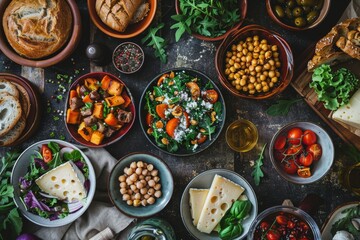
{"points": [[301, 152], [284, 222]]}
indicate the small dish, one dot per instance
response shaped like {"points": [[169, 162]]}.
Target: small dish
{"points": [[243, 10], [320, 167], [298, 213], [242, 135], [203, 181], [128, 57], [21, 168], [73, 128], [166, 181], [131, 31], [321, 16], [285, 57], [59, 56], [182, 151]]}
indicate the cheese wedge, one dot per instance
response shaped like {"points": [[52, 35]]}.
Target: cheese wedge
{"points": [[197, 200], [349, 114], [221, 196], [65, 182]]}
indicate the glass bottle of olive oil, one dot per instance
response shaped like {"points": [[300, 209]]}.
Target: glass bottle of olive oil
{"points": [[152, 229], [351, 178]]}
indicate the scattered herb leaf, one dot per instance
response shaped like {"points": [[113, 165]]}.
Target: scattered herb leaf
{"points": [[282, 107], [345, 222], [156, 42], [257, 172]]}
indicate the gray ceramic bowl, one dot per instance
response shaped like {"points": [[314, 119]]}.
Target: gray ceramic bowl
{"points": [[166, 181], [203, 181], [21, 168], [318, 168]]}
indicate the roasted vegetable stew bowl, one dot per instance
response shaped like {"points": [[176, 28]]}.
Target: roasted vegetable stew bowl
{"points": [[318, 168], [182, 151], [131, 31], [242, 10], [285, 57], [21, 168], [118, 134], [166, 181], [322, 13]]}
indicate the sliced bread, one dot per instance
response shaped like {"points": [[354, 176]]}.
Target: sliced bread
{"points": [[24, 99], [14, 134], [7, 86], [10, 113]]}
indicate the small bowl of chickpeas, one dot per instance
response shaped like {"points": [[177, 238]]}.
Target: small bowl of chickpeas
{"points": [[140, 185], [254, 63]]}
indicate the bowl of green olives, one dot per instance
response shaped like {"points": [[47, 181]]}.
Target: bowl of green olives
{"points": [[298, 15]]}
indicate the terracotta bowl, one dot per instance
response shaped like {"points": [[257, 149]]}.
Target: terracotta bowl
{"points": [[243, 11], [72, 128], [50, 60], [322, 14], [131, 31], [273, 38]]}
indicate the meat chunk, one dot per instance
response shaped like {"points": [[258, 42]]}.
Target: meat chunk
{"points": [[76, 103], [124, 116], [109, 132], [101, 127], [83, 90], [90, 121], [86, 112], [94, 95]]}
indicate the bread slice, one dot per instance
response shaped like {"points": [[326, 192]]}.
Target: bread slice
{"points": [[24, 99], [10, 113], [141, 13], [7, 86], [14, 134]]}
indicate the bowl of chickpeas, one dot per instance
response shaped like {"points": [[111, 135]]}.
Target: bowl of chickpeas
{"points": [[140, 185], [254, 63]]}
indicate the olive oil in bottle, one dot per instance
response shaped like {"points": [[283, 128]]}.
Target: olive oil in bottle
{"points": [[351, 179], [242, 135]]}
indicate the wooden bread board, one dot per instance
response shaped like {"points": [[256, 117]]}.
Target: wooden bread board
{"points": [[301, 82]]}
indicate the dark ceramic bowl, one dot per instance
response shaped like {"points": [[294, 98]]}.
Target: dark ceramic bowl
{"points": [[166, 181], [72, 128], [182, 151], [138, 53], [131, 31], [318, 168], [322, 14], [59, 56], [273, 38], [243, 10]]}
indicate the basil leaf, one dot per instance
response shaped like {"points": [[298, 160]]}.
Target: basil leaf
{"points": [[281, 108], [54, 147]]}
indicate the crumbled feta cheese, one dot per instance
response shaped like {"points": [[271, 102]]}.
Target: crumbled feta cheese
{"points": [[166, 99], [195, 147], [184, 96]]}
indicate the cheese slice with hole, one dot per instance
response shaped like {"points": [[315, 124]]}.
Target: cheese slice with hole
{"points": [[65, 182], [349, 114], [197, 200], [222, 194]]}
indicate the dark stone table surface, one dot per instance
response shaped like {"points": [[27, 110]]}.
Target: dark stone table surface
{"points": [[199, 55]]}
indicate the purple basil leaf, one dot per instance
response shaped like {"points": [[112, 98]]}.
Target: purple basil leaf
{"points": [[24, 184], [40, 163], [32, 202], [79, 164], [87, 185]]}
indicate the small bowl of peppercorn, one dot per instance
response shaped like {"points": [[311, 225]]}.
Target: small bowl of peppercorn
{"points": [[128, 57]]}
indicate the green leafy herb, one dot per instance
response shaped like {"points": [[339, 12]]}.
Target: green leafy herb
{"points": [[157, 42], [333, 88], [205, 17], [257, 172], [60, 97], [88, 105], [56, 118], [52, 134], [345, 222], [94, 127], [106, 110], [54, 147], [282, 107]]}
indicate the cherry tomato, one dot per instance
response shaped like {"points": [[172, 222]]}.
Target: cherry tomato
{"points": [[264, 226], [279, 156], [273, 235], [290, 167], [309, 137], [294, 150], [280, 143], [294, 136], [290, 224], [304, 226], [46, 153], [304, 172], [306, 159], [304, 238], [316, 151], [211, 96], [281, 219]]}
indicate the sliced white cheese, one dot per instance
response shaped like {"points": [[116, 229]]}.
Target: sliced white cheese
{"points": [[349, 113], [221, 196], [197, 200], [65, 182]]}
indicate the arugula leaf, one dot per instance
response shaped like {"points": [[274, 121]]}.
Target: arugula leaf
{"points": [[257, 173], [157, 42], [14, 221], [345, 222], [172, 146], [56, 161], [218, 108], [54, 147], [207, 125], [282, 107]]}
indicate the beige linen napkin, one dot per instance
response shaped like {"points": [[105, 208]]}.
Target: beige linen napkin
{"points": [[100, 214]]}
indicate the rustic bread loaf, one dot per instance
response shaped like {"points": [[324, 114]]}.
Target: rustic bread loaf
{"points": [[8, 87], [37, 28], [10, 113], [117, 14], [14, 134]]}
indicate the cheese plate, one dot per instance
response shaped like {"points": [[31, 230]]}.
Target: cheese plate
{"points": [[204, 181]]}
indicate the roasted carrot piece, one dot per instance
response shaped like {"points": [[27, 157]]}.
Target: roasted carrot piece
{"points": [[160, 109], [98, 110], [111, 120], [171, 126], [127, 99], [162, 78], [72, 116], [149, 119], [87, 99], [115, 88], [73, 93], [201, 139], [105, 82], [114, 101], [187, 118], [91, 83], [97, 137], [85, 133]]}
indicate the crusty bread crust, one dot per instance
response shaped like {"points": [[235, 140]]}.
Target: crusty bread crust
{"points": [[8, 87], [10, 113], [37, 28], [14, 134]]}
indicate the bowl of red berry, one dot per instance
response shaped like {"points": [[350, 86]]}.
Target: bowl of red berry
{"points": [[284, 222], [301, 152]]}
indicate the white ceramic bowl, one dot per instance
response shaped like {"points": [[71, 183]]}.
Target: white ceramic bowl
{"points": [[21, 168]]}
